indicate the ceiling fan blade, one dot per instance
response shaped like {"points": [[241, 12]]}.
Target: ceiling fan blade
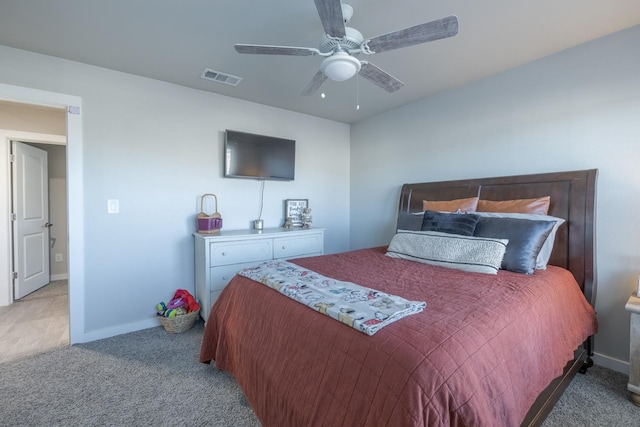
{"points": [[276, 50], [434, 30], [380, 78], [314, 84], [330, 12]]}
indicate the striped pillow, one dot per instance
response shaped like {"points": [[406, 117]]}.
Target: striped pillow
{"points": [[466, 253]]}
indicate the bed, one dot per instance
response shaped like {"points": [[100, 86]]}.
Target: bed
{"points": [[488, 349]]}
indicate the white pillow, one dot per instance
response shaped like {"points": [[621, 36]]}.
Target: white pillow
{"points": [[467, 253], [547, 247]]}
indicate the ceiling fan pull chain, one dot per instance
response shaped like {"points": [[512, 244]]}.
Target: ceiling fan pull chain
{"points": [[357, 92]]}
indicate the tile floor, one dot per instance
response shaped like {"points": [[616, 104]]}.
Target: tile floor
{"points": [[35, 323]]}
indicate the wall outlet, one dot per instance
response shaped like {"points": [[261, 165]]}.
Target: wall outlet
{"points": [[58, 257]]}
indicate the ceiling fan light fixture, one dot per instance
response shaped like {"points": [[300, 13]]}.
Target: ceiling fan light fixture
{"points": [[340, 66]]}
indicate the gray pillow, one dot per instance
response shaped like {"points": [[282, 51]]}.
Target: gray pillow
{"points": [[453, 223], [526, 238], [466, 253], [409, 221], [545, 253]]}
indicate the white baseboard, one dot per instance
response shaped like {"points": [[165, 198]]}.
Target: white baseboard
{"points": [[611, 363], [54, 277], [120, 329]]}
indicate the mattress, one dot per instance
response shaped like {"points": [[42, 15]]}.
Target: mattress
{"points": [[479, 353]]}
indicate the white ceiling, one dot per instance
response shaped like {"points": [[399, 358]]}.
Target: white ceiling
{"points": [[175, 40]]}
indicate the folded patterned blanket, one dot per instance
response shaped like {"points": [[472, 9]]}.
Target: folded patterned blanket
{"points": [[364, 309]]}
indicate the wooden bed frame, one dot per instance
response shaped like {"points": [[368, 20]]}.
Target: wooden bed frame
{"points": [[572, 198]]}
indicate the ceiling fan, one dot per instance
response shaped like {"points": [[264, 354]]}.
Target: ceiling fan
{"points": [[342, 44]]}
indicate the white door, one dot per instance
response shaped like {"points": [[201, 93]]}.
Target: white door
{"points": [[31, 219]]}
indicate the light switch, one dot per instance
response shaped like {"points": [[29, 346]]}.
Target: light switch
{"points": [[113, 206]]}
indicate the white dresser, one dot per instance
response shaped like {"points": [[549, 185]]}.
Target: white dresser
{"points": [[219, 256]]}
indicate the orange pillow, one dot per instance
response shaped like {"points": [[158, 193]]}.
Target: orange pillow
{"points": [[539, 206], [465, 205]]}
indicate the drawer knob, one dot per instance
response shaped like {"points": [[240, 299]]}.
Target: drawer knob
{"points": [[283, 246], [225, 278], [224, 254]]}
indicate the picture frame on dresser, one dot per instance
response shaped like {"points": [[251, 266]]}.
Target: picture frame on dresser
{"points": [[294, 208]]}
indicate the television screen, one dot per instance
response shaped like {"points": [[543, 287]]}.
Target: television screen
{"points": [[247, 155]]}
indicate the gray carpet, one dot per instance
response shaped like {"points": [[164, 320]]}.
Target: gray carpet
{"points": [[598, 398], [140, 379], [154, 378]]}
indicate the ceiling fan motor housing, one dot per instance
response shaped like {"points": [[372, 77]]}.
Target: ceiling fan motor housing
{"points": [[351, 41]]}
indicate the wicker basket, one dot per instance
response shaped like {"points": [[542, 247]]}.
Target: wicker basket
{"points": [[179, 324]]}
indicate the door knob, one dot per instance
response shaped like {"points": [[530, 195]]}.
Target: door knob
{"points": [[48, 224]]}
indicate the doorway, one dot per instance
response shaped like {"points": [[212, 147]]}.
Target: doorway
{"points": [[38, 317], [71, 107]]}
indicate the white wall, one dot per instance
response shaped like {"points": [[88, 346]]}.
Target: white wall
{"points": [[578, 109], [156, 148]]}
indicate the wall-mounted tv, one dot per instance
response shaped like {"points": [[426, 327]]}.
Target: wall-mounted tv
{"points": [[248, 155]]}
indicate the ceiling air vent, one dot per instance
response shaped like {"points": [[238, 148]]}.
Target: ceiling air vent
{"points": [[220, 77]]}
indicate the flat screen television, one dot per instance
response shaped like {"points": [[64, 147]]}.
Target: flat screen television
{"points": [[248, 155]]}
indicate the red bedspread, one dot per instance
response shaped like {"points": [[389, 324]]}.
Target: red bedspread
{"points": [[478, 355]]}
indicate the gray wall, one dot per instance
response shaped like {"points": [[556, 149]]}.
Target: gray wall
{"points": [[578, 109], [157, 147]]}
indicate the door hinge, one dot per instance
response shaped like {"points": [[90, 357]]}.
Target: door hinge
{"points": [[15, 275], [12, 158], [13, 217]]}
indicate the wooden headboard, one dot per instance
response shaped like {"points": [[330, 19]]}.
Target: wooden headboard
{"points": [[572, 198]]}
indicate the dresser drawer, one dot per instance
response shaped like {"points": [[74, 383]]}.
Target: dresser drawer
{"points": [[292, 247], [241, 252], [220, 276]]}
